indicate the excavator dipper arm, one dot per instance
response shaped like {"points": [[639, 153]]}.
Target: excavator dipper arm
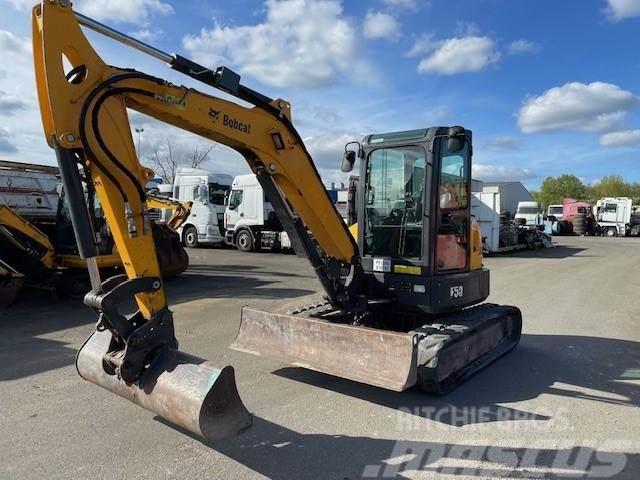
{"points": [[84, 102]]}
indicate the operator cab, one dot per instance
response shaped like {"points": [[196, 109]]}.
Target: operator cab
{"points": [[415, 233]]}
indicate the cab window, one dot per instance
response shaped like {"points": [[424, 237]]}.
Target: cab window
{"points": [[235, 199], [453, 180]]}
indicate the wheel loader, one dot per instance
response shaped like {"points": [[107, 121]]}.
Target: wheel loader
{"points": [[403, 297]]}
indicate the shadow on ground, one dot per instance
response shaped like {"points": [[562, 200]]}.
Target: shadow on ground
{"points": [[588, 368], [279, 453], [23, 353], [561, 251], [193, 286]]}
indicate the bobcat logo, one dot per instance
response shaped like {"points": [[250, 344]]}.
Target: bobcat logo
{"points": [[214, 114]]}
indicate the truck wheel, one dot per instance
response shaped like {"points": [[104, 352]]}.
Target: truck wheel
{"points": [[190, 237], [611, 232], [244, 241]]}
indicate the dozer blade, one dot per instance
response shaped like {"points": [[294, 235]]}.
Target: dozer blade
{"points": [[185, 390], [437, 357], [376, 357]]}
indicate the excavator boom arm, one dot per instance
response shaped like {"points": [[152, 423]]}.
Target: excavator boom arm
{"points": [[85, 111], [83, 103]]}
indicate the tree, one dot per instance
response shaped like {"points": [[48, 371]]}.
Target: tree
{"points": [[613, 186], [554, 190], [165, 162], [197, 156]]}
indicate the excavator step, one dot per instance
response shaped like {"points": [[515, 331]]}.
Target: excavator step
{"points": [[437, 357]]}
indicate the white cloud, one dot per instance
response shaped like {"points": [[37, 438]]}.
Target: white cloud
{"points": [[10, 104], [18, 103], [408, 4], [380, 25], [7, 143], [147, 35], [422, 45], [621, 138], [503, 142], [575, 106], [500, 173], [301, 43], [521, 47], [326, 149], [126, 11], [460, 55], [621, 9], [11, 44]]}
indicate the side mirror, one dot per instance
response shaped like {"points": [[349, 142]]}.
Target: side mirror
{"points": [[231, 207], [455, 144], [348, 159], [456, 139]]}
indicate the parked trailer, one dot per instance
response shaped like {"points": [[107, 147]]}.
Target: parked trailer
{"points": [[30, 190]]}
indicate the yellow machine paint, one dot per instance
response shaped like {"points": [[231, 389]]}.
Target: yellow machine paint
{"points": [[84, 115]]}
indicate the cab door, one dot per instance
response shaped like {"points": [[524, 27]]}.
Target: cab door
{"points": [[234, 209], [453, 242]]}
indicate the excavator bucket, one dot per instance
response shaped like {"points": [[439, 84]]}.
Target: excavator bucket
{"points": [[10, 285], [436, 357], [172, 257], [376, 357], [182, 389]]}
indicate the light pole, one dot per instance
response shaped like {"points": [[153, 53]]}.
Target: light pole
{"points": [[139, 132]]}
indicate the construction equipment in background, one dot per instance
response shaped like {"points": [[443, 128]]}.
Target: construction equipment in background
{"points": [[395, 314], [11, 283], [42, 252]]}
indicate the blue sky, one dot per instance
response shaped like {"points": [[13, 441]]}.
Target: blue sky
{"points": [[548, 87]]}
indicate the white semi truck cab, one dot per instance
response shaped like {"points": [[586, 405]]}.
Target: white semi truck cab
{"points": [[205, 224], [530, 213], [249, 220], [614, 217]]}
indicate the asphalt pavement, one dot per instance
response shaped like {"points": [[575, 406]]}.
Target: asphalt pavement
{"points": [[563, 404]]}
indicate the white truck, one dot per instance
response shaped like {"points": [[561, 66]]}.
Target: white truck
{"points": [[205, 224], [250, 221], [555, 211], [614, 217], [529, 213]]}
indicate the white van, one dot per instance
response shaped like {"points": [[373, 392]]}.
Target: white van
{"points": [[250, 221], [205, 224]]}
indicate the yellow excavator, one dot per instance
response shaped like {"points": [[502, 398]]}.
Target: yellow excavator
{"points": [[403, 297], [44, 253]]}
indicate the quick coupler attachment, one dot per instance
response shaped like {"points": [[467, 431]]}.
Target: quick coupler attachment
{"points": [[139, 360]]}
